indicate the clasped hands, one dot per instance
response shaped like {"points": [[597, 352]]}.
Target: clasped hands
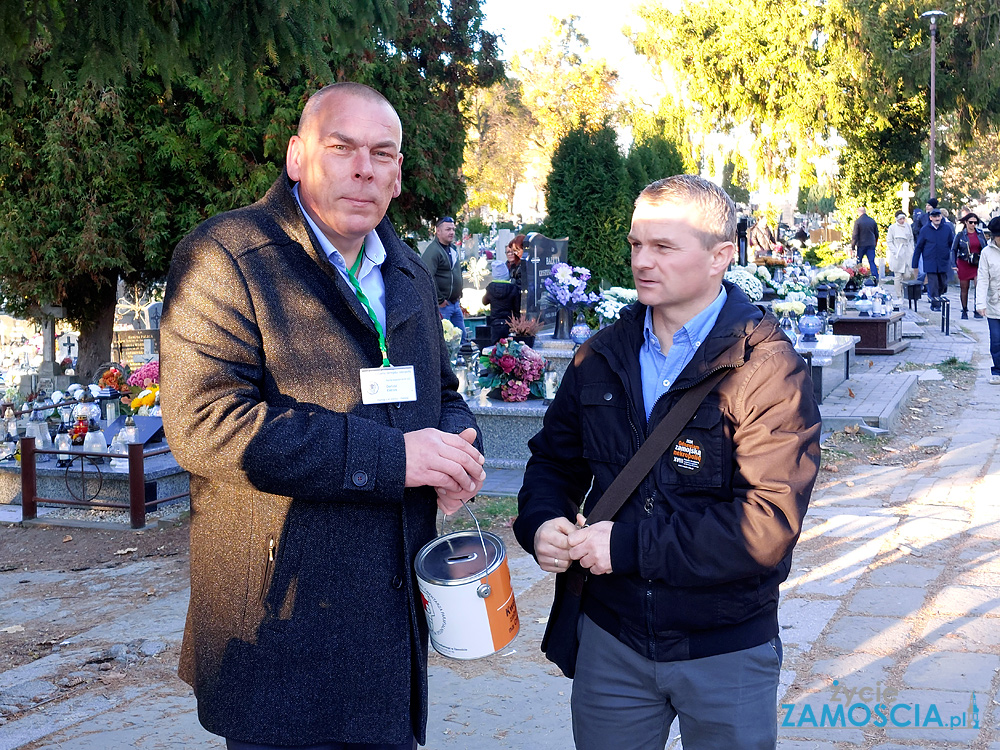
{"points": [[558, 542], [449, 463]]}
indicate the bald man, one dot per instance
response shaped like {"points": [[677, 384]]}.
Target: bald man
{"points": [[308, 391]]}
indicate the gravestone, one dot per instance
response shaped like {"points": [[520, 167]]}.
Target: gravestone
{"points": [[135, 347], [154, 312], [540, 255]]}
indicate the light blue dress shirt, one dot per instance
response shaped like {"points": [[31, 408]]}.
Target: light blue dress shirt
{"points": [[370, 273], [659, 370]]}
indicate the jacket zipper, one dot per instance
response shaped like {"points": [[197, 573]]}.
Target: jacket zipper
{"points": [[268, 568]]}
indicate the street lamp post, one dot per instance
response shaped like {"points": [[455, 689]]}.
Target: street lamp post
{"points": [[933, 16]]}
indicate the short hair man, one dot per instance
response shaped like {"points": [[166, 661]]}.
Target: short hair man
{"points": [[680, 606], [932, 250], [864, 237], [310, 493], [441, 257]]}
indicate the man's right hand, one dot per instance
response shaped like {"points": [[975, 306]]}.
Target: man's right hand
{"points": [[982, 311], [552, 545], [448, 463]]}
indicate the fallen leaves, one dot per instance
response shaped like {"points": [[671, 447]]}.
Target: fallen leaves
{"points": [[67, 538]]}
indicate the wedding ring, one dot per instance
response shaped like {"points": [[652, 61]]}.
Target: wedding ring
{"points": [[555, 560]]}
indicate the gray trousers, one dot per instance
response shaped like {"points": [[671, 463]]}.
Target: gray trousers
{"points": [[624, 701]]}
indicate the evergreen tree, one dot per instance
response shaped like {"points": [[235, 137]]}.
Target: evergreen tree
{"points": [[586, 199]]}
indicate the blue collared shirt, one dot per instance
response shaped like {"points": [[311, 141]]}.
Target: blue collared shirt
{"points": [[659, 370], [370, 273]]}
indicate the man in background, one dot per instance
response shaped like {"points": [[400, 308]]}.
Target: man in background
{"points": [[864, 237], [441, 258], [933, 251]]}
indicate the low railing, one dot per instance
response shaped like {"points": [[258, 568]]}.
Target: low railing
{"points": [[137, 505]]}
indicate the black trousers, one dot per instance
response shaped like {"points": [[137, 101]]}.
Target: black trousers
{"points": [[937, 284]]}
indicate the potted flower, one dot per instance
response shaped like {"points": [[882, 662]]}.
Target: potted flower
{"points": [[749, 284], [452, 338], [566, 290], [513, 371], [524, 329], [612, 302]]}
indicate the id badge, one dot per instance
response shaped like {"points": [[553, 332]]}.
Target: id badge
{"points": [[388, 385]]}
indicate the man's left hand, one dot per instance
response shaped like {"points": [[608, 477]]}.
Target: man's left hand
{"points": [[591, 545]]}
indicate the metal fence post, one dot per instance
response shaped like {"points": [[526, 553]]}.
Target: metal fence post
{"points": [[29, 481], [136, 486]]}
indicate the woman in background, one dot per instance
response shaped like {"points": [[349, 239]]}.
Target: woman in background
{"points": [[988, 295], [899, 242], [965, 250]]}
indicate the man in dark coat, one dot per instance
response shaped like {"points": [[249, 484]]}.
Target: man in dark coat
{"points": [[680, 606], [864, 237], [310, 494], [933, 249]]}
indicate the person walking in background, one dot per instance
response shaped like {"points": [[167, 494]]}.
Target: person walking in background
{"points": [[968, 244], [922, 218], [933, 248], [284, 324], [762, 239], [899, 246], [988, 294], [864, 237], [441, 258], [680, 606]]}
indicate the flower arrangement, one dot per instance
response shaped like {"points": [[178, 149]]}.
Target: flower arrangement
{"points": [[115, 378], [515, 368], [66, 364], [145, 376], [141, 402], [771, 262], [832, 275], [452, 334], [567, 287], [858, 273], [613, 300], [794, 285], [792, 307], [750, 285]]}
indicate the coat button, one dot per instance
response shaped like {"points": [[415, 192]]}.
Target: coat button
{"points": [[360, 478], [607, 396], [397, 582]]}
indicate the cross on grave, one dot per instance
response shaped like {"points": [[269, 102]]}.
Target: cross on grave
{"points": [[905, 193], [68, 344]]}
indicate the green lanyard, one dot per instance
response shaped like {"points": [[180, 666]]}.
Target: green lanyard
{"points": [[363, 299]]}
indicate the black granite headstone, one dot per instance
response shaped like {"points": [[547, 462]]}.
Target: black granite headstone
{"points": [[540, 255]]}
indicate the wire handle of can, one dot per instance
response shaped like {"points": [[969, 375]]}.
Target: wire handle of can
{"points": [[484, 589]]}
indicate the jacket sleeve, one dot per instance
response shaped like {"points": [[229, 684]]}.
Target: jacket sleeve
{"points": [[983, 279], [855, 232], [776, 453], [918, 248], [557, 477], [218, 424]]}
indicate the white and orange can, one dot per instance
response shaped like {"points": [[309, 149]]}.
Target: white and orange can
{"points": [[465, 587]]}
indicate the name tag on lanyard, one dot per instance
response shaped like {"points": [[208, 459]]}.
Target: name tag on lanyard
{"points": [[388, 385]]}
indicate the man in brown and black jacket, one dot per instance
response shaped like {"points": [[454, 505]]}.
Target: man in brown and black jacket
{"points": [[681, 600]]}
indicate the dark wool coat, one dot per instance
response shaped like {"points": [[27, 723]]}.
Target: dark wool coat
{"points": [[304, 624], [699, 549]]}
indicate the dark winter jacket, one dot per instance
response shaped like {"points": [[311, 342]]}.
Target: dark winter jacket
{"points": [[504, 299], [700, 548], [934, 245], [304, 625], [865, 232], [447, 277], [960, 246]]}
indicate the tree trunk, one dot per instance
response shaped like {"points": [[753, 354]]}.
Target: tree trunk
{"points": [[95, 337]]}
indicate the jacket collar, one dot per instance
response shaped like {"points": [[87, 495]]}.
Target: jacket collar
{"points": [[399, 269], [738, 319]]}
